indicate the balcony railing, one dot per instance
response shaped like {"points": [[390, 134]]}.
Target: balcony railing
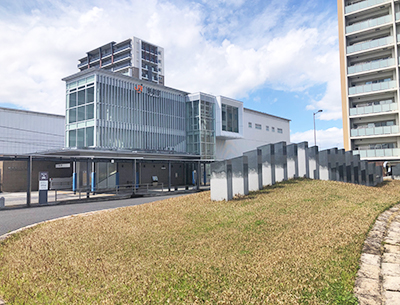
{"points": [[373, 87], [397, 16], [368, 66], [368, 24], [374, 131], [82, 64], [370, 44], [373, 109], [377, 153], [125, 47], [362, 5]]}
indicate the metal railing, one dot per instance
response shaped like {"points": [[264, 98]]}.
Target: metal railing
{"points": [[377, 153], [368, 24], [363, 5], [370, 44], [371, 131], [373, 87], [368, 66], [373, 109]]}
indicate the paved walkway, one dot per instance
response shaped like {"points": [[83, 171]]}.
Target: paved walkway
{"points": [[378, 280]]}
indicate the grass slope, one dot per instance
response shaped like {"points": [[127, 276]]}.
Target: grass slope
{"points": [[297, 242]]}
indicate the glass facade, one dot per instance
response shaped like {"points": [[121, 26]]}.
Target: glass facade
{"points": [[201, 128], [114, 113], [80, 105], [230, 118]]}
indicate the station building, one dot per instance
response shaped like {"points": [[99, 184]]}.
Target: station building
{"points": [[124, 128]]}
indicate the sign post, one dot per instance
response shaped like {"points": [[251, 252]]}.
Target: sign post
{"points": [[43, 187]]}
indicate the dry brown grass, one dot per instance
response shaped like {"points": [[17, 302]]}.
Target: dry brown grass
{"points": [[296, 242]]}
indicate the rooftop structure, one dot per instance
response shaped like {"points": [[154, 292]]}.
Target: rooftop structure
{"points": [[134, 57]]}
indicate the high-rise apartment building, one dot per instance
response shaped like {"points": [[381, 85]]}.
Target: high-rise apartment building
{"points": [[133, 57], [369, 38]]}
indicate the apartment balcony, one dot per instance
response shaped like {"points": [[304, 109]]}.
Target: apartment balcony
{"points": [[123, 48], [374, 109], [368, 24], [377, 153], [373, 87], [362, 5], [373, 65], [370, 44], [82, 64], [374, 131], [122, 58]]}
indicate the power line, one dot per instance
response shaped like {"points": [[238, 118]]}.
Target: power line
{"points": [[33, 144], [27, 130]]}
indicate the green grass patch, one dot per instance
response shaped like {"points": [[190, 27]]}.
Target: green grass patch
{"points": [[297, 242]]}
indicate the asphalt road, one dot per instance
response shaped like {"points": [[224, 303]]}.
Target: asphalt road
{"points": [[14, 219]]}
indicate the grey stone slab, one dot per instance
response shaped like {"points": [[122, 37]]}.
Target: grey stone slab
{"points": [[391, 249], [268, 164], [324, 173], [369, 271], [302, 157], [390, 269], [221, 181], [393, 258], [392, 238], [280, 162], [240, 181], [313, 162], [369, 300], [254, 169], [372, 246], [370, 259], [391, 297], [366, 286], [292, 161], [349, 172], [391, 283]]}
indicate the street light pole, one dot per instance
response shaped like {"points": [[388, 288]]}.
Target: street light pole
{"points": [[315, 133]]}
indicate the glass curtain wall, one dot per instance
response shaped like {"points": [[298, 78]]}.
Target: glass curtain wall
{"points": [[80, 105], [201, 128], [133, 116]]}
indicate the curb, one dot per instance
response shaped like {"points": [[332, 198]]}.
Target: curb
{"points": [[369, 280]]}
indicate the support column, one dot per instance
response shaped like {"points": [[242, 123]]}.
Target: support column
{"points": [[29, 182], [134, 176], [117, 175], [74, 177], [169, 176], [93, 183], [198, 175], [87, 178]]}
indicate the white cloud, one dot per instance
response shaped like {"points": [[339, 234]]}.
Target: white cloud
{"points": [[284, 52], [328, 138]]}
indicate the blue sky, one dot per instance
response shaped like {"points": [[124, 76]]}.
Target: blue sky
{"points": [[277, 56]]}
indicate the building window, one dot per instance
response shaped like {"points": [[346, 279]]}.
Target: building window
{"points": [[280, 130], [267, 128], [230, 118], [273, 129], [250, 125], [258, 126]]}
